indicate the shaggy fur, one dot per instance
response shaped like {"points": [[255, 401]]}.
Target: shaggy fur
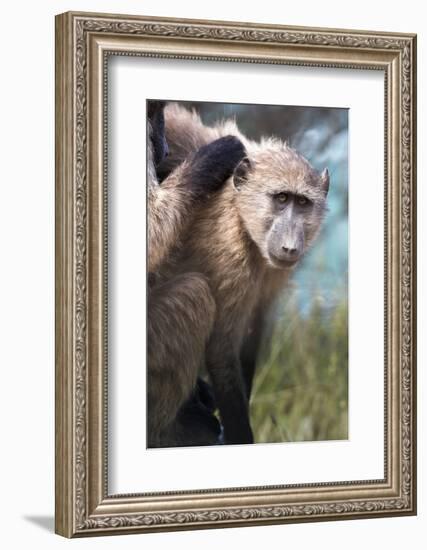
{"points": [[229, 244], [181, 309], [173, 361]]}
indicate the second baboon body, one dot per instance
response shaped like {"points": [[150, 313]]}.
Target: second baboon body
{"points": [[184, 301], [181, 309]]}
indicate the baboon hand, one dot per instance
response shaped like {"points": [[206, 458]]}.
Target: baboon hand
{"points": [[214, 163]]}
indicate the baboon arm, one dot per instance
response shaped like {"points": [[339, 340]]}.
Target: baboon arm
{"points": [[250, 349], [257, 331], [225, 372]]}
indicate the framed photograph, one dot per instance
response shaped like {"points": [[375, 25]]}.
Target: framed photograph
{"points": [[235, 274]]}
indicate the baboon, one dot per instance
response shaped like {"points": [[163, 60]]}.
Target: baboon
{"points": [[246, 240], [181, 309]]}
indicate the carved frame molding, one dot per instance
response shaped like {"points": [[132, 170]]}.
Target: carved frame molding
{"points": [[83, 44]]}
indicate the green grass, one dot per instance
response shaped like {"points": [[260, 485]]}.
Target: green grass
{"points": [[300, 391]]}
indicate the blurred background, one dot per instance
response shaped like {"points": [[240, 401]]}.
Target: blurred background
{"points": [[300, 391]]}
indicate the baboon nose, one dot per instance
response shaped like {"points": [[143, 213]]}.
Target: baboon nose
{"points": [[289, 251]]}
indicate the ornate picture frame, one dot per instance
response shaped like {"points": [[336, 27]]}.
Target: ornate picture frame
{"points": [[84, 42]]}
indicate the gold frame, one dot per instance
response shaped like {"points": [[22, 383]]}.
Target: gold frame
{"points": [[83, 43]]}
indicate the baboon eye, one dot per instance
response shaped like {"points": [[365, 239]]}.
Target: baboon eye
{"points": [[281, 197], [302, 200]]}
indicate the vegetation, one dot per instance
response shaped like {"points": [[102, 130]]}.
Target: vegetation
{"points": [[300, 391]]}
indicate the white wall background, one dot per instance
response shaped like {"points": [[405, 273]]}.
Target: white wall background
{"points": [[27, 273]]}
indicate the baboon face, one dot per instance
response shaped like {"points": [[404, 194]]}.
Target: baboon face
{"points": [[282, 201]]}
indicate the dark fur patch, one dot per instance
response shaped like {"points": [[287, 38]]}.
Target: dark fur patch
{"points": [[198, 417], [214, 163], [230, 392], [155, 113]]}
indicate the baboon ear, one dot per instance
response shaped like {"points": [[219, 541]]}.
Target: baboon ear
{"points": [[241, 172], [324, 178]]}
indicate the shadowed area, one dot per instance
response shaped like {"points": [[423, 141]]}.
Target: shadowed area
{"points": [[44, 522]]}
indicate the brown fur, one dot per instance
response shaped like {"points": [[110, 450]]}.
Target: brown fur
{"points": [[180, 319], [180, 314], [228, 244], [169, 209]]}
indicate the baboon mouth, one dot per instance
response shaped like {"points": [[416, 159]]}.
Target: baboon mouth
{"points": [[282, 262]]}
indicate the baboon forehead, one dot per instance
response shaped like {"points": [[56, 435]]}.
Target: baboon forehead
{"points": [[278, 158], [278, 169]]}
